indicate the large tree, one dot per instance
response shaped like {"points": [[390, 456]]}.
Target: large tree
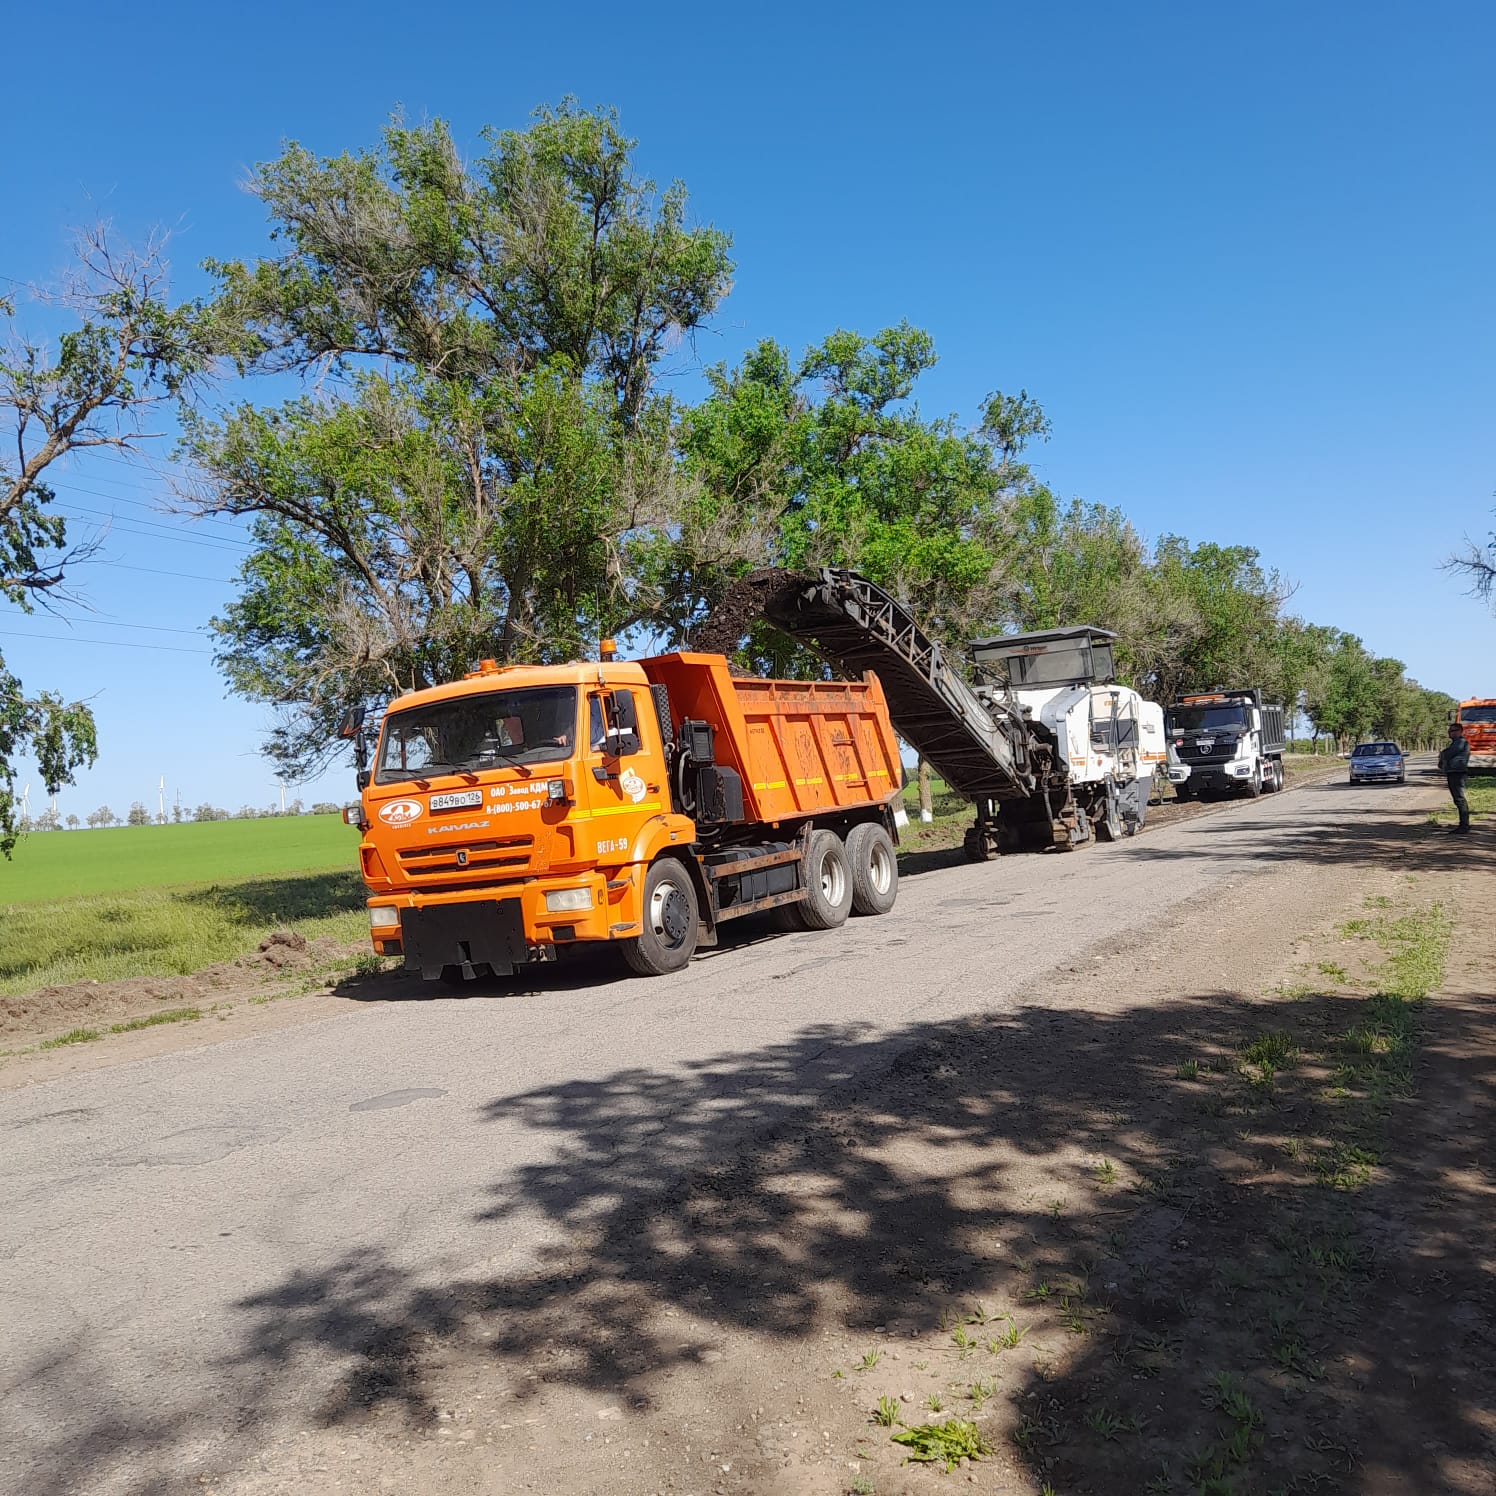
{"points": [[828, 461], [485, 444], [123, 350]]}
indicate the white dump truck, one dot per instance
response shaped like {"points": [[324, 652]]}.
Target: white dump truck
{"points": [[1225, 743]]}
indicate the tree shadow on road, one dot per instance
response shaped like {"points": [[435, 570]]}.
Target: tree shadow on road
{"points": [[885, 1182]]}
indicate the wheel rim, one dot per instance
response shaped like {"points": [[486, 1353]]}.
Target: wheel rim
{"points": [[880, 869], [669, 914], [833, 879]]}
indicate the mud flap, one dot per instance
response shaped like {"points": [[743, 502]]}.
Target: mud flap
{"points": [[490, 933]]}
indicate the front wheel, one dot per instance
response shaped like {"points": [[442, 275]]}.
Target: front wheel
{"points": [[672, 921], [875, 869], [828, 883]]}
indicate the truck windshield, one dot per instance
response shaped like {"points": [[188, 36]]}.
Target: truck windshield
{"points": [[1482, 714], [1206, 718], [471, 733]]}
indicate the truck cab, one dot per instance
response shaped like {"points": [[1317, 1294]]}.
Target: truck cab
{"points": [[527, 787], [1478, 717]]}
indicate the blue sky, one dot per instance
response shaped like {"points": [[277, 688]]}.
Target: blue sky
{"points": [[1243, 255]]}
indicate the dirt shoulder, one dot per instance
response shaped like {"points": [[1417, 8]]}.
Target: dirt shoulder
{"points": [[1210, 1214]]}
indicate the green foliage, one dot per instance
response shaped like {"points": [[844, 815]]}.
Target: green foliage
{"points": [[943, 1443], [495, 453]]}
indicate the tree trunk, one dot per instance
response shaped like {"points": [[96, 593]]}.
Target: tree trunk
{"points": [[926, 807]]}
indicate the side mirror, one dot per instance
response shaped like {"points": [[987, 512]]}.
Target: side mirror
{"points": [[351, 729], [621, 724]]}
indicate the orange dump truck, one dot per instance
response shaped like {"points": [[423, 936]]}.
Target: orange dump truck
{"points": [[527, 808], [1479, 719]]}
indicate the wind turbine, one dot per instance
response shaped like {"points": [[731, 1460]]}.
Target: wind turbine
{"points": [[161, 800], [26, 803]]}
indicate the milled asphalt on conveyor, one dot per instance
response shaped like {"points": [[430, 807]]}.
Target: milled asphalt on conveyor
{"points": [[145, 1204]]}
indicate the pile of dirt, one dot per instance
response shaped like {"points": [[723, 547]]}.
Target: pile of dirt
{"points": [[741, 607], [52, 1010], [284, 948]]}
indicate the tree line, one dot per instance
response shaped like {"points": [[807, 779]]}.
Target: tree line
{"points": [[140, 815], [487, 459]]}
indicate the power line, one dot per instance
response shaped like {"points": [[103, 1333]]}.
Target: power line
{"points": [[115, 498], [104, 643], [157, 628], [156, 571], [154, 524], [164, 532]]}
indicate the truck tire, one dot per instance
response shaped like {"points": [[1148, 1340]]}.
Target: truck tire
{"points": [[828, 883], [875, 869], [1254, 784], [672, 921]]}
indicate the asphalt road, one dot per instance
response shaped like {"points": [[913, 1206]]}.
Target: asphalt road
{"points": [[162, 1216]]}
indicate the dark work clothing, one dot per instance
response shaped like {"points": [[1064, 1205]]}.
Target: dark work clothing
{"points": [[1454, 758], [1457, 794]]}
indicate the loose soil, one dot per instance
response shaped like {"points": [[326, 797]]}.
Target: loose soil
{"points": [[1212, 1214], [742, 607]]}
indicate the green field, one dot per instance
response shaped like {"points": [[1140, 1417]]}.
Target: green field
{"points": [[144, 901], [63, 864]]}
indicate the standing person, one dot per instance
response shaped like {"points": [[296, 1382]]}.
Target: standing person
{"points": [[1454, 762]]}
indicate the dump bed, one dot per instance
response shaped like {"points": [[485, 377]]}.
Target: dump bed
{"points": [[800, 747]]}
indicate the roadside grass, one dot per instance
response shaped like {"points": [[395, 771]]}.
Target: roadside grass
{"points": [[171, 931], [1480, 791]]}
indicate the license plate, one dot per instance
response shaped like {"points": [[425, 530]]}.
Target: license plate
{"points": [[457, 800]]}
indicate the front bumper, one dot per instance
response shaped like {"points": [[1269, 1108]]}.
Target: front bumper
{"points": [[1372, 776], [1228, 776], [472, 915]]}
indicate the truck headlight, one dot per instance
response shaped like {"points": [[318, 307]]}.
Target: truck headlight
{"points": [[568, 901], [384, 917]]}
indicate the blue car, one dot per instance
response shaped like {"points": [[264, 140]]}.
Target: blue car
{"points": [[1385, 762]]}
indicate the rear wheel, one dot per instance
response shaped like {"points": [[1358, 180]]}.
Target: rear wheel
{"points": [[875, 869], [976, 846], [672, 921], [828, 883]]}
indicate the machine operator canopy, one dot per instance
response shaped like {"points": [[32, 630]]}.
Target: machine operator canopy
{"points": [[1049, 657]]}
